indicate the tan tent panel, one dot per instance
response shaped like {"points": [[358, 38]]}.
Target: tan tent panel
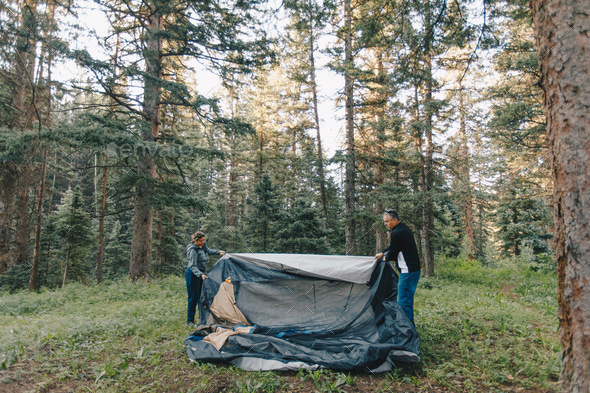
{"points": [[224, 306]]}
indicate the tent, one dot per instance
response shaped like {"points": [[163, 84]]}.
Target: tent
{"points": [[290, 311]]}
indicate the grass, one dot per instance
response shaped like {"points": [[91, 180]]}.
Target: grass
{"points": [[481, 329], [489, 327]]}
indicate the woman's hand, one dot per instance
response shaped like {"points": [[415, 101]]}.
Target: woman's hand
{"points": [[222, 253], [379, 256], [204, 276]]}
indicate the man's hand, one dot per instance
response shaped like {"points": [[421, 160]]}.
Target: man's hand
{"points": [[222, 253], [379, 256], [204, 277]]}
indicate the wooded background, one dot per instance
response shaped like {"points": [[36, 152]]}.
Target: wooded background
{"points": [[107, 172]]}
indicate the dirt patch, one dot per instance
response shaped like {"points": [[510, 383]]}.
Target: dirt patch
{"points": [[507, 291]]}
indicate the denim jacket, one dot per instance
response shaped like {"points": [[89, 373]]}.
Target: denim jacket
{"points": [[197, 258]]}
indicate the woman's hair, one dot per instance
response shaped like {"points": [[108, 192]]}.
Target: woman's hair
{"points": [[391, 213], [198, 235]]}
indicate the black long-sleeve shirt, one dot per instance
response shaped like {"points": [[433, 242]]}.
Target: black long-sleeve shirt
{"points": [[402, 249]]}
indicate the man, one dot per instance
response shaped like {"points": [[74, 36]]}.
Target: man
{"points": [[403, 251]]}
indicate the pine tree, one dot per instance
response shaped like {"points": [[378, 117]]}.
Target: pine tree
{"points": [[264, 216], [74, 230], [308, 19], [209, 32], [116, 252], [517, 131], [300, 230]]}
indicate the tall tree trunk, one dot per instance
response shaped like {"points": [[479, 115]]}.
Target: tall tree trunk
{"points": [[105, 169], [25, 105], [9, 180], [314, 91], [561, 30], [418, 144], [23, 215], [466, 177], [140, 265], [381, 97], [349, 192], [24, 66], [159, 234], [233, 173], [233, 178], [33, 279], [427, 184]]}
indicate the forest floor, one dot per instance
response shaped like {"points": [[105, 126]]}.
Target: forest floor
{"points": [[481, 330]]}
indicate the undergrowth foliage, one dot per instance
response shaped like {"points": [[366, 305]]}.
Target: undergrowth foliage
{"points": [[481, 329]]}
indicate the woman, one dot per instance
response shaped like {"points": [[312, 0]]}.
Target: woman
{"points": [[197, 254]]}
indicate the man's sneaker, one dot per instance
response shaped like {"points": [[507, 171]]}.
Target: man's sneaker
{"points": [[191, 324]]}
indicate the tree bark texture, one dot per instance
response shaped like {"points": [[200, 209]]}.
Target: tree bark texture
{"points": [[23, 214], [9, 180], [33, 278], [24, 98], [233, 180], [143, 216], [562, 30], [24, 66], [349, 192], [379, 119]]}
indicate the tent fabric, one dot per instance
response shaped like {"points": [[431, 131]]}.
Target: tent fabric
{"points": [[224, 305], [337, 312], [221, 335], [352, 268]]}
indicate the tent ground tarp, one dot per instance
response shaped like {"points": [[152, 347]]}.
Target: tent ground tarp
{"points": [[309, 311]]}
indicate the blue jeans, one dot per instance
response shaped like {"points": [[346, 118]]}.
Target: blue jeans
{"points": [[406, 287], [193, 288]]}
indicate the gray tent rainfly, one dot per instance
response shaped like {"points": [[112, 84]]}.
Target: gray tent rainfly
{"points": [[288, 311]]}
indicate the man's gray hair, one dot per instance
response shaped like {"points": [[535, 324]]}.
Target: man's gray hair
{"points": [[391, 213]]}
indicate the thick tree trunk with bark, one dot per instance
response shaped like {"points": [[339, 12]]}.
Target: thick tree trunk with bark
{"points": [[9, 180], [24, 66], [24, 101], [562, 30], [349, 191], [23, 214], [141, 243]]}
